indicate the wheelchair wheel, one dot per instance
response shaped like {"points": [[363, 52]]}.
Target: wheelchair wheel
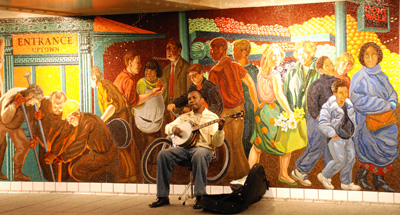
{"points": [[220, 164], [149, 161]]}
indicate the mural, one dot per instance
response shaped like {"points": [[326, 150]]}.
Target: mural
{"points": [[93, 95]]}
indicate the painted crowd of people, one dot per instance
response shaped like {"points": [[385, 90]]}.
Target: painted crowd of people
{"points": [[313, 105]]}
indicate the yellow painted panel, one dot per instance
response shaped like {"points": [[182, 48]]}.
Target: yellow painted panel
{"points": [[48, 78], [19, 79], [72, 82]]}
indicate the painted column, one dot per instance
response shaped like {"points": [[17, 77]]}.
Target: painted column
{"points": [[340, 28], [184, 35], [84, 72], [8, 64], [8, 84]]}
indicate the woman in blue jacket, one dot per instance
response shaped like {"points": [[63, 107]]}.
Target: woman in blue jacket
{"points": [[372, 93]]}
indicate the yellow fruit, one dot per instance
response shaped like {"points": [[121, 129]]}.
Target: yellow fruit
{"points": [[384, 50]]}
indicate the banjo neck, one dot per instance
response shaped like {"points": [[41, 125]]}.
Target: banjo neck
{"points": [[235, 115]]}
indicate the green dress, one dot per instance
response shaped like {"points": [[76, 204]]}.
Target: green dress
{"points": [[267, 136]]}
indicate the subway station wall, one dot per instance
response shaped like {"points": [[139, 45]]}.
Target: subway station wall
{"points": [[58, 54]]}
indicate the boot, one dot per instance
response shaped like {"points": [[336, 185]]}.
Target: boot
{"points": [[18, 175], [361, 176], [379, 182], [3, 177]]}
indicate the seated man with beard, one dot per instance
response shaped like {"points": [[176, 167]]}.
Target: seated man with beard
{"points": [[54, 129]]}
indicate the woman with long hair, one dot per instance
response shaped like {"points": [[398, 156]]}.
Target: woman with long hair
{"points": [[274, 102]]}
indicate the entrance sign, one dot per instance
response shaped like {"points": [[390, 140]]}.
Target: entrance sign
{"points": [[45, 43]]}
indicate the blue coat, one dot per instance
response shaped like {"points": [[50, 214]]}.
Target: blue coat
{"points": [[372, 93]]}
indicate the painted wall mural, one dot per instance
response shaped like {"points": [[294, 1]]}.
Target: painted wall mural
{"points": [[87, 99]]}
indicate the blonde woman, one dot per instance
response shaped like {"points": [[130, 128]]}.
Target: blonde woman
{"points": [[344, 64], [274, 102]]}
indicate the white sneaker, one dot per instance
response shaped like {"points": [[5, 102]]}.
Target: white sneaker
{"points": [[302, 178], [326, 182], [350, 186]]}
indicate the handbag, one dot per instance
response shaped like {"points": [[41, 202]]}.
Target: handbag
{"points": [[345, 128], [377, 121]]}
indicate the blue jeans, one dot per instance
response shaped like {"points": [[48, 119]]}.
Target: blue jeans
{"points": [[315, 147], [343, 154], [167, 160]]}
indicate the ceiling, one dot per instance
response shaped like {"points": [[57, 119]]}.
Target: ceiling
{"points": [[35, 8]]}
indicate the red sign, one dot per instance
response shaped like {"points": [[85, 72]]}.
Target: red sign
{"points": [[373, 18]]}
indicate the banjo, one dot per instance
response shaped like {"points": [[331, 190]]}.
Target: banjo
{"points": [[190, 132]]}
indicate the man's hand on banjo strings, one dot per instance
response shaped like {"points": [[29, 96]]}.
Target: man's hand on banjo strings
{"points": [[177, 131]]}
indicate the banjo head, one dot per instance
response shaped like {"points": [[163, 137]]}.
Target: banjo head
{"points": [[186, 128]]}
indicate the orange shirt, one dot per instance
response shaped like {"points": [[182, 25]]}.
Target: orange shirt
{"points": [[227, 75], [126, 84]]}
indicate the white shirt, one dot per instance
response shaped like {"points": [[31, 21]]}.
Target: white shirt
{"points": [[209, 136]]}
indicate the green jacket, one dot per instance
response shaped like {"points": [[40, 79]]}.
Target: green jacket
{"points": [[296, 84]]}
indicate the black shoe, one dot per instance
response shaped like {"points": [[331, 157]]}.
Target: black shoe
{"points": [[361, 176], [379, 182], [161, 201], [197, 203]]}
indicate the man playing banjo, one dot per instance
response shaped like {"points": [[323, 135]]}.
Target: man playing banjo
{"points": [[199, 155]]}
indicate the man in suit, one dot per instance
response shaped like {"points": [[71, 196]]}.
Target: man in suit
{"points": [[175, 77]]}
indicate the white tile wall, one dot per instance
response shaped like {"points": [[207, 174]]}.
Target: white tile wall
{"points": [[84, 187], [369, 196], [50, 186], [296, 193], [227, 189], [355, 196], [119, 188], [385, 197], [95, 187], [16, 186], [107, 187], [311, 194], [325, 194], [131, 188], [208, 189], [177, 189], [152, 188], [271, 193], [27, 186], [340, 195], [142, 188], [5, 185], [217, 189], [283, 192], [61, 186], [39, 186], [397, 198], [73, 186]]}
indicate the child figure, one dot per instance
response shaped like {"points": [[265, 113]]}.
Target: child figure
{"points": [[336, 121]]}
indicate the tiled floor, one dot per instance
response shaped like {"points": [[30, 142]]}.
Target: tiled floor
{"points": [[67, 203]]}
